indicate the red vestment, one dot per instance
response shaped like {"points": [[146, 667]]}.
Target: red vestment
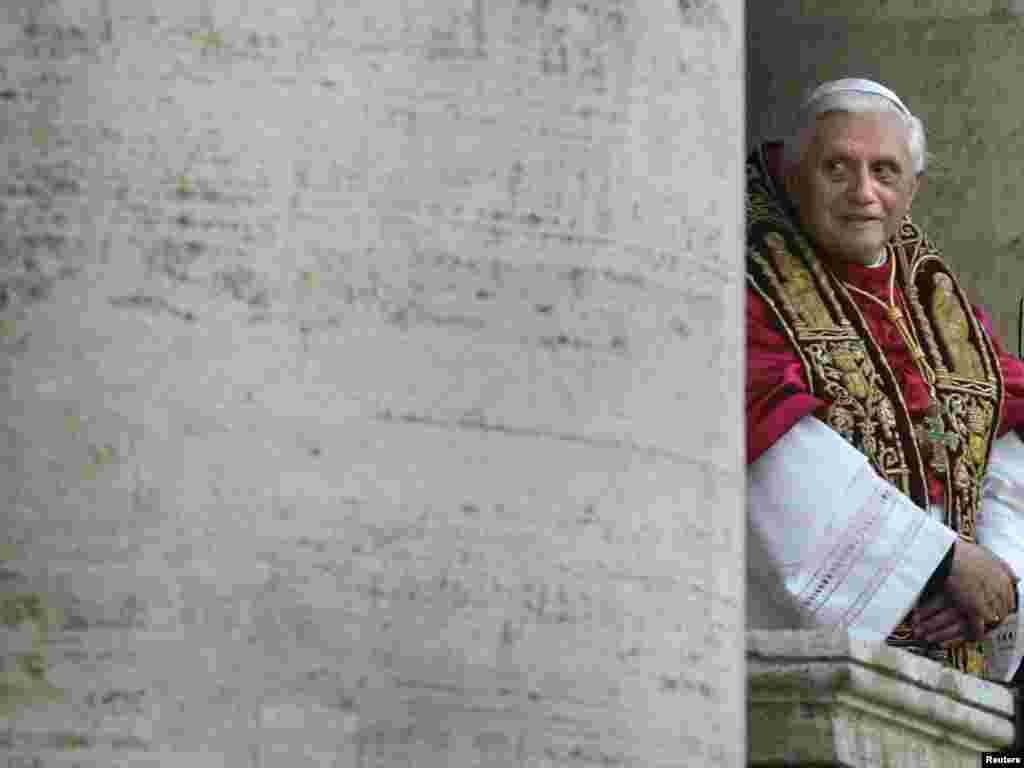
{"points": [[777, 392]]}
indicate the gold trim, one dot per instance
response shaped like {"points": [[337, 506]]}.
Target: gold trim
{"points": [[971, 406]]}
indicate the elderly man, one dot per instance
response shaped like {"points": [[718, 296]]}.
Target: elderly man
{"points": [[886, 481]]}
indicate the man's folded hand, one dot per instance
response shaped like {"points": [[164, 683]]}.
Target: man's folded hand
{"points": [[982, 586], [939, 620]]}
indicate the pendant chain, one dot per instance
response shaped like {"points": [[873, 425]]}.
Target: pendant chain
{"points": [[935, 429], [898, 318]]}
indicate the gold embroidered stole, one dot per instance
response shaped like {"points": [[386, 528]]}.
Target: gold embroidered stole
{"points": [[845, 366]]}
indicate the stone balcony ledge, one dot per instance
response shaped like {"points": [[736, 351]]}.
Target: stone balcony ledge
{"points": [[830, 698]]}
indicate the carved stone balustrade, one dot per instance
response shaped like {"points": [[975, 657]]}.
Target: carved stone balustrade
{"points": [[824, 698]]}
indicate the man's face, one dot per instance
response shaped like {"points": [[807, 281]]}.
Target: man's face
{"points": [[854, 183]]}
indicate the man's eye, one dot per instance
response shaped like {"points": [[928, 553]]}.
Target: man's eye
{"points": [[885, 173], [835, 167]]}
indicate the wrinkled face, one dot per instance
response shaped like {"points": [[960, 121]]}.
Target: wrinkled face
{"points": [[854, 183]]}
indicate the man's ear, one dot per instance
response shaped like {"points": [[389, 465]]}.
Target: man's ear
{"points": [[915, 186], [919, 182]]}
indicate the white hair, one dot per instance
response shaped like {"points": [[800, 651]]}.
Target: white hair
{"points": [[857, 102]]}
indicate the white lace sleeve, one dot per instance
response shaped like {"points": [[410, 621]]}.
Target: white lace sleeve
{"points": [[1000, 528], [830, 543]]}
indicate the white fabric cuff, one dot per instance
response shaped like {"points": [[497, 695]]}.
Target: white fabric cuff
{"points": [[1000, 528], [851, 550]]}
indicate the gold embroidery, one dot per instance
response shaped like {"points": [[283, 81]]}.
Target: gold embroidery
{"points": [[887, 418], [842, 421], [933, 439], [972, 392], [954, 331], [860, 411], [849, 361], [979, 420], [798, 284]]}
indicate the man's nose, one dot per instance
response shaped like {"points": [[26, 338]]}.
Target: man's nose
{"points": [[862, 187]]}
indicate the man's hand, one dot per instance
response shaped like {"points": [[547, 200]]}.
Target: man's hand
{"points": [[981, 586], [939, 620]]}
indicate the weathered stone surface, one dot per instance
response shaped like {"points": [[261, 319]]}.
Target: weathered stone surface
{"points": [[370, 380], [827, 698]]}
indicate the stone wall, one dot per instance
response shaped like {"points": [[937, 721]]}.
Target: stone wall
{"points": [[957, 65], [370, 383]]}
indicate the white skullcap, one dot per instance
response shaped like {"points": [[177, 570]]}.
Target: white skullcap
{"points": [[854, 85]]}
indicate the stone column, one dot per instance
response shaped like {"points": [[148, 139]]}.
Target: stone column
{"points": [[956, 64], [371, 388]]}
